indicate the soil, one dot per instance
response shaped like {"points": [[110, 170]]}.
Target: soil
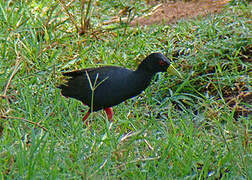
{"points": [[173, 11]]}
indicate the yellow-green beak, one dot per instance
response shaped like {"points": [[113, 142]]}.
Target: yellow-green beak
{"points": [[171, 69]]}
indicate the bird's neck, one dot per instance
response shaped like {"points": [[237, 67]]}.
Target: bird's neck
{"points": [[144, 72], [142, 78]]}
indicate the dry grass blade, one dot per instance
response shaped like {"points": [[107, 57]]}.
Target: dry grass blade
{"points": [[102, 166], [129, 135], [133, 134], [85, 20], [47, 48], [12, 75], [18, 60], [118, 19], [147, 142], [139, 160], [152, 10], [19, 118], [69, 14]]}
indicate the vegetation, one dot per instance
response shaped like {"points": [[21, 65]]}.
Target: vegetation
{"points": [[192, 128]]}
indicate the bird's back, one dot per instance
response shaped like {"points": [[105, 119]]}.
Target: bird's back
{"points": [[110, 85]]}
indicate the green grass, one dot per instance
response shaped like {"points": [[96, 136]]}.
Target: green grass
{"points": [[193, 128]]}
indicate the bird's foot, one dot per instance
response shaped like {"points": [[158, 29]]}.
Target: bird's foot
{"points": [[85, 118], [109, 112]]}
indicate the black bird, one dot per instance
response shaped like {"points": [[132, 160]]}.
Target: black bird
{"points": [[107, 86]]}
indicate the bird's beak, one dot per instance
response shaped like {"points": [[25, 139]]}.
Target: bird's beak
{"points": [[171, 70]]}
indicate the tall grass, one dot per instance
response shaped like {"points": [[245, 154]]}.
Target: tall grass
{"points": [[193, 128]]}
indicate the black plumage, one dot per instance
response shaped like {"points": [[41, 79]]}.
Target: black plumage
{"points": [[107, 86]]}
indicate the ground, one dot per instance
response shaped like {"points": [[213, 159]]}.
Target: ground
{"points": [[173, 11]]}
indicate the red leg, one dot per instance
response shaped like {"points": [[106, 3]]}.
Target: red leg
{"points": [[85, 118], [86, 115], [109, 112]]}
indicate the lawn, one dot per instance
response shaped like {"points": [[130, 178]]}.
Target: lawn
{"points": [[195, 127]]}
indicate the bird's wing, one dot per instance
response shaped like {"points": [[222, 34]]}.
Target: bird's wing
{"points": [[89, 70], [78, 84]]}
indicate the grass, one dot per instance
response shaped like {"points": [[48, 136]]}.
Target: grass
{"points": [[193, 128]]}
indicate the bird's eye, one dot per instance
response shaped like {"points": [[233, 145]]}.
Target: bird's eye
{"points": [[162, 63]]}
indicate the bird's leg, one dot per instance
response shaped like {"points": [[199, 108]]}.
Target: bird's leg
{"points": [[86, 115], [109, 112], [85, 118]]}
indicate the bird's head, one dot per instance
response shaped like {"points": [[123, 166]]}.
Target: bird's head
{"points": [[157, 62]]}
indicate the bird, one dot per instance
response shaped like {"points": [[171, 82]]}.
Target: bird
{"points": [[107, 86]]}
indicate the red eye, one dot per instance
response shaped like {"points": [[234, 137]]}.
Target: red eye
{"points": [[162, 63]]}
